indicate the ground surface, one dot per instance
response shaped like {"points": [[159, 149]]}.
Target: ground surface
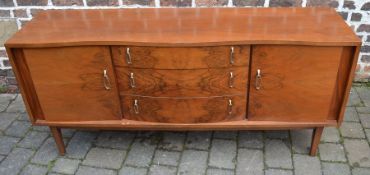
{"points": [[26, 149]]}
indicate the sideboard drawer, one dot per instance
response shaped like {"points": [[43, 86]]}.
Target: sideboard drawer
{"points": [[184, 110], [184, 83], [181, 57]]}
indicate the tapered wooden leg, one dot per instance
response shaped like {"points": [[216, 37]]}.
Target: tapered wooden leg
{"points": [[57, 134], [316, 137]]}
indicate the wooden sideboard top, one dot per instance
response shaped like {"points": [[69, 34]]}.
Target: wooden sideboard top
{"points": [[185, 27]]}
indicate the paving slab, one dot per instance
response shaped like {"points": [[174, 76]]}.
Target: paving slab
{"points": [[105, 158], [335, 168], [85, 170], [250, 161], [278, 172], [278, 154], [116, 140], [7, 143], [80, 144], [214, 171], [47, 153], [352, 130], [5, 100], [66, 166], [170, 158], [354, 98], [223, 154], [172, 141], [141, 153], [18, 128], [351, 115], [301, 140], [306, 165], [330, 134], [32, 169], [365, 120], [364, 94], [198, 140], [162, 170], [332, 152], [33, 139], [15, 161], [193, 162], [225, 134], [17, 105], [251, 139], [132, 171], [7, 119], [358, 152], [278, 134]]}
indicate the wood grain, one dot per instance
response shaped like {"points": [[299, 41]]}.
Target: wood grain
{"points": [[297, 82], [184, 110], [183, 83], [185, 27], [125, 124], [69, 83], [181, 57]]}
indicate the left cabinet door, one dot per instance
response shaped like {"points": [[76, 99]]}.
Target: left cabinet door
{"points": [[74, 83]]}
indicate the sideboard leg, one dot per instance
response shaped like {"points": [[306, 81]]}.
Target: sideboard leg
{"points": [[316, 137], [57, 134]]}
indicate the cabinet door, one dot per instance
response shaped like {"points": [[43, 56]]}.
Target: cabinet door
{"points": [[74, 83], [295, 83]]}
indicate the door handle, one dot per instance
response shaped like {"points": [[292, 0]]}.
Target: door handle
{"points": [[132, 80], [258, 79], [230, 106], [128, 56], [231, 55], [231, 80], [136, 106], [106, 80]]}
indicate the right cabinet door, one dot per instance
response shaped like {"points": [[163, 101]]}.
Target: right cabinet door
{"points": [[292, 83]]}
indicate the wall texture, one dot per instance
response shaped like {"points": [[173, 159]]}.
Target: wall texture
{"points": [[15, 13]]}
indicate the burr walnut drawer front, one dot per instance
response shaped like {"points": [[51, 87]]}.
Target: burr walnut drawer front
{"points": [[181, 57], [184, 110], [182, 83]]}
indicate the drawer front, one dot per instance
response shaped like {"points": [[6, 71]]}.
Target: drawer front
{"points": [[74, 83], [181, 58], [182, 83], [292, 83], [184, 110]]}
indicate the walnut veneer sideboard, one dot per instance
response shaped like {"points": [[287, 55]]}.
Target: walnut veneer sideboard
{"points": [[185, 69]]}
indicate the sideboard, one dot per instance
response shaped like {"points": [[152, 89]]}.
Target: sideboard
{"points": [[185, 69]]}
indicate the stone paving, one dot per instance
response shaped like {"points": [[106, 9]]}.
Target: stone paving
{"points": [[30, 150]]}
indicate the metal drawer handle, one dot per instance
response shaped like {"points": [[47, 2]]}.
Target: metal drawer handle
{"points": [[232, 55], [132, 80], [136, 106], [128, 56], [106, 81], [230, 107], [258, 79], [231, 80]]}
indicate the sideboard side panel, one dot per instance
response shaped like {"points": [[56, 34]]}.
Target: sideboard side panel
{"points": [[24, 79], [344, 83]]}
